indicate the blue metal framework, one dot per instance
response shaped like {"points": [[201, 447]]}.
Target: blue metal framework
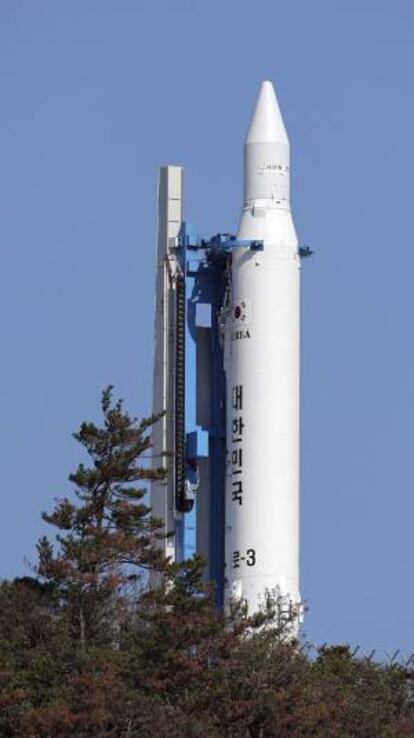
{"points": [[206, 273]]}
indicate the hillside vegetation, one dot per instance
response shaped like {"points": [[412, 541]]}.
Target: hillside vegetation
{"points": [[87, 649]]}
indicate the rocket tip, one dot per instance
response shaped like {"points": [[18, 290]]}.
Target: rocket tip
{"points": [[266, 124]]}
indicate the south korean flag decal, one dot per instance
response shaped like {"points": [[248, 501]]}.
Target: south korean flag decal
{"points": [[242, 311]]}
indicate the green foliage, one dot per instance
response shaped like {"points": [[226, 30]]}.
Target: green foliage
{"points": [[87, 649], [107, 536]]}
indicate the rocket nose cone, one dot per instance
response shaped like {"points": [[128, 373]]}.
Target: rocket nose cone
{"points": [[266, 125]]}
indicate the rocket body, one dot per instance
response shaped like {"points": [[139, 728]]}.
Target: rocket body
{"points": [[261, 338]]}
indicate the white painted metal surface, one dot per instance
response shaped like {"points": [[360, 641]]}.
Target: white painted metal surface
{"points": [[262, 371], [170, 215]]}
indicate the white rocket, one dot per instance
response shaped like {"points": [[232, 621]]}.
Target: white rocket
{"points": [[251, 284], [261, 332]]}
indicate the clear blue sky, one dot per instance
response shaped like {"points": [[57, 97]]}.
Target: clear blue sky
{"points": [[94, 96]]}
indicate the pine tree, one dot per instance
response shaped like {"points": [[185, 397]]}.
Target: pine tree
{"points": [[107, 537]]}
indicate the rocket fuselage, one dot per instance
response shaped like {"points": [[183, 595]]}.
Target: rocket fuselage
{"points": [[262, 374]]}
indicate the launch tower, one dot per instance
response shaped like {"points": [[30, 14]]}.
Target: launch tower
{"points": [[226, 374]]}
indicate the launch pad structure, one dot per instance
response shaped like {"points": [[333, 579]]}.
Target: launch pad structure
{"points": [[226, 378]]}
